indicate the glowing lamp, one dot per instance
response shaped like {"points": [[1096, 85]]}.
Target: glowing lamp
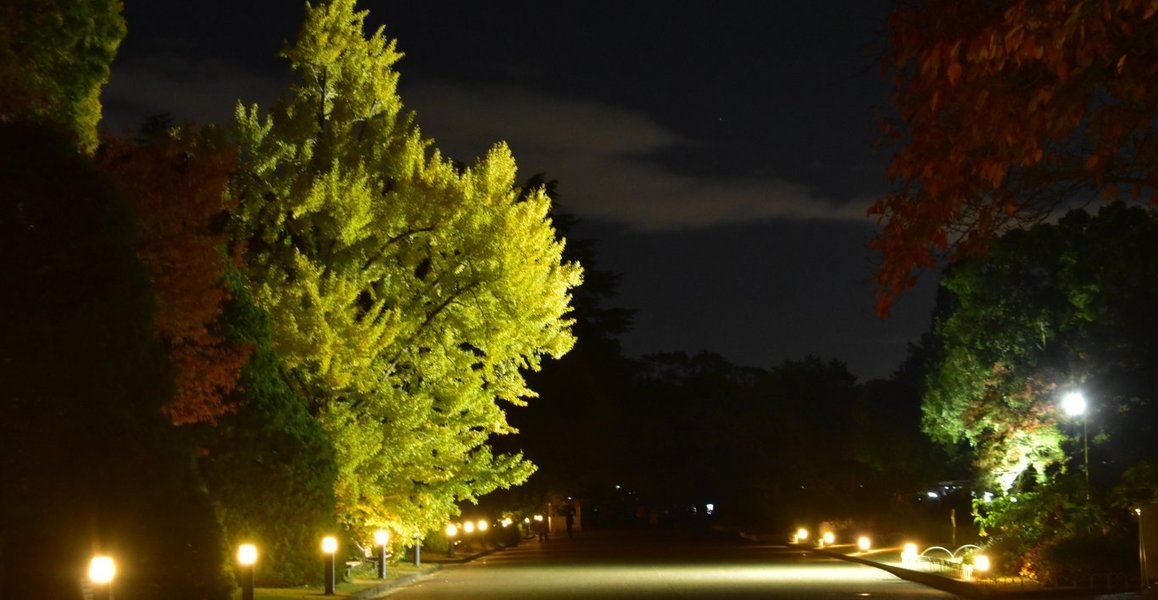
{"points": [[329, 544], [101, 570], [482, 525], [247, 554], [829, 537], [1074, 404], [864, 543], [981, 563], [381, 537]]}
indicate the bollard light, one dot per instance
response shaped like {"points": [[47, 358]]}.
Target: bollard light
{"points": [[247, 557], [864, 543], [381, 539], [329, 547], [102, 570], [247, 554], [909, 554], [451, 532]]}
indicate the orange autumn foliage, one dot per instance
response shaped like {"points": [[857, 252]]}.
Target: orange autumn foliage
{"points": [[175, 183], [1006, 113]]}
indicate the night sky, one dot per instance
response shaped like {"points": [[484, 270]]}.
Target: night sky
{"points": [[722, 155]]}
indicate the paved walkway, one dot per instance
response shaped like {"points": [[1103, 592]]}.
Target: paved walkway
{"points": [[951, 580]]}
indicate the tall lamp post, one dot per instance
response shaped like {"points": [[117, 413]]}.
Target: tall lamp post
{"points": [[1074, 404]]}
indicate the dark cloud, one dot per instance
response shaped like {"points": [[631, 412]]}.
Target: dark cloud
{"points": [[602, 154]]}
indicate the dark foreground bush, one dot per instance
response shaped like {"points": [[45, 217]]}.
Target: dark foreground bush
{"points": [[1088, 558]]}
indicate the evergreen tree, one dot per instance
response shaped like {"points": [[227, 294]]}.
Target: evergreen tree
{"points": [[406, 294]]}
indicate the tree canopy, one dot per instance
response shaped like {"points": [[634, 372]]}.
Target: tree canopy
{"points": [[1006, 111], [175, 181], [1050, 310], [54, 60], [406, 293]]}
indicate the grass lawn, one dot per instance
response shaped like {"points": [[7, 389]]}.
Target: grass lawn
{"points": [[361, 579]]}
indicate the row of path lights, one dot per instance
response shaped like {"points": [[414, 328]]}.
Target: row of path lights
{"points": [[102, 569], [468, 528]]}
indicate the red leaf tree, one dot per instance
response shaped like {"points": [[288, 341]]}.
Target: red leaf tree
{"points": [[1006, 113], [175, 182]]}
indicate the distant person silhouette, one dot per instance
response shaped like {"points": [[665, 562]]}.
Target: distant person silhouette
{"points": [[570, 523]]}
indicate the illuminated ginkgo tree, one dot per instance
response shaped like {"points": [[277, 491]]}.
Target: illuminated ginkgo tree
{"points": [[407, 293]]}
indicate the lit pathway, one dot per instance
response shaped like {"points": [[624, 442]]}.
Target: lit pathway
{"points": [[656, 566]]}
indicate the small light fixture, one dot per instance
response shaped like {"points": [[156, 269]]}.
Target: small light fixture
{"points": [[247, 557], [102, 570], [247, 554], [909, 554]]}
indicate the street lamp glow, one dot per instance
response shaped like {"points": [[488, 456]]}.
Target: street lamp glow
{"points": [[864, 543], [247, 554], [329, 544], [451, 530], [1074, 404], [482, 525], [829, 537], [101, 570], [801, 534], [981, 563], [381, 537], [468, 527]]}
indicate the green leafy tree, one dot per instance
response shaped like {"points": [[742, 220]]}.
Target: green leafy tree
{"points": [[406, 294], [269, 466], [1049, 309], [995, 383], [54, 60]]}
